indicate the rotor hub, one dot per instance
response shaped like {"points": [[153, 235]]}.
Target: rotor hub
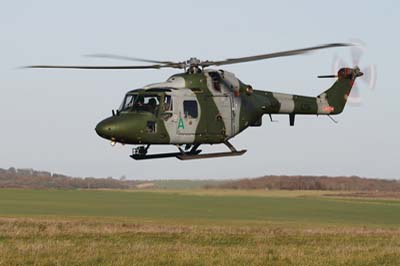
{"points": [[193, 65], [193, 61]]}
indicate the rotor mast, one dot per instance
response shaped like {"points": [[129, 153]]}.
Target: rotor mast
{"points": [[193, 66]]}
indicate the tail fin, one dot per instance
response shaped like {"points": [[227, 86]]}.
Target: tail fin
{"points": [[337, 95]]}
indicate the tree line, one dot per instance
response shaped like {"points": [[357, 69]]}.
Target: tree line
{"points": [[341, 183], [32, 179], [29, 178]]}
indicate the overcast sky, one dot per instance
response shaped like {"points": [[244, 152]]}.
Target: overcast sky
{"points": [[47, 117]]}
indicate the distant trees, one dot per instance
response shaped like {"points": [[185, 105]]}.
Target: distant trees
{"points": [[343, 183], [29, 178], [32, 179]]}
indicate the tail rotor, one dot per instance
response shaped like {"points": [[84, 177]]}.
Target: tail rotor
{"points": [[368, 80]]}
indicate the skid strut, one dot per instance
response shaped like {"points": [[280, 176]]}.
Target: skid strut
{"points": [[191, 153]]}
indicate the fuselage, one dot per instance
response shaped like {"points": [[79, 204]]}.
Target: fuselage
{"points": [[199, 108]]}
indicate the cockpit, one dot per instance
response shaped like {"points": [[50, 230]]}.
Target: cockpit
{"points": [[146, 102]]}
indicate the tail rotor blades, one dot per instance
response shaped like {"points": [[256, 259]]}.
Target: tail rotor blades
{"points": [[369, 77]]}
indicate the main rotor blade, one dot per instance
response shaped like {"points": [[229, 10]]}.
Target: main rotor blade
{"points": [[121, 57], [272, 55], [101, 67]]}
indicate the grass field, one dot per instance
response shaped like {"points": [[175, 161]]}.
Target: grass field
{"points": [[198, 227]]}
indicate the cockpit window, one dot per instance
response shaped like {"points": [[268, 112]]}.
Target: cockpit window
{"points": [[127, 103], [141, 103]]}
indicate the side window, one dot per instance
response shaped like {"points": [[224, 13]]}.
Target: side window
{"points": [[151, 126], [167, 103], [216, 79], [190, 109]]}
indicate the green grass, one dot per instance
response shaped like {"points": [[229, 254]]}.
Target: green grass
{"points": [[184, 206], [184, 184], [76, 227]]}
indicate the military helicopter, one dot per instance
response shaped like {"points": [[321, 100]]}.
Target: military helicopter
{"points": [[206, 106]]}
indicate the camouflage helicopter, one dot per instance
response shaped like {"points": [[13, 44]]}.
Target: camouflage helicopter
{"points": [[206, 106]]}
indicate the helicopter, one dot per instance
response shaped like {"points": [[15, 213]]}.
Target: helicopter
{"points": [[203, 106]]}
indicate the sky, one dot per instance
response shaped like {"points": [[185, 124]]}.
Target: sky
{"points": [[47, 117]]}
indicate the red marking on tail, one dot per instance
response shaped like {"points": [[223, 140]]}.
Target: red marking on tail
{"points": [[328, 109]]}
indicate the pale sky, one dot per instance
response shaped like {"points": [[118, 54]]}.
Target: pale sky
{"points": [[48, 117]]}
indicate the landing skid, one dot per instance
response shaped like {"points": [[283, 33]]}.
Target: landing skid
{"points": [[158, 156], [209, 155], [192, 154]]}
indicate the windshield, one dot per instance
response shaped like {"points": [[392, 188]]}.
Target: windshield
{"points": [[141, 103], [127, 103]]}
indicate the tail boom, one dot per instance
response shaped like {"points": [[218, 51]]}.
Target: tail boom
{"points": [[331, 101]]}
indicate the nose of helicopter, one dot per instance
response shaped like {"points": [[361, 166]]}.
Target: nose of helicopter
{"points": [[106, 128], [127, 128]]}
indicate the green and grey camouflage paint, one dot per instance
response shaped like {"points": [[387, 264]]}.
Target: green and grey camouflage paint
{"points": [[226, 106]]}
